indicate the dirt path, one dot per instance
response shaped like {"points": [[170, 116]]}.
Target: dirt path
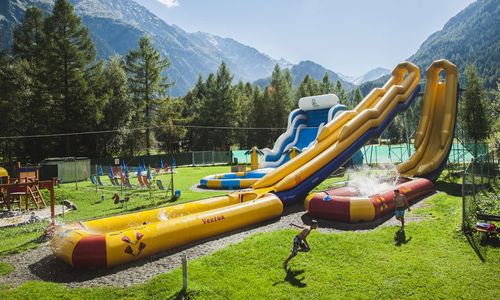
{"points": [[39, 264]]}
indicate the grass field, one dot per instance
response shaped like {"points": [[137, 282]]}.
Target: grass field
{"points": [[433, 260], [16, 239], [5, 268]]}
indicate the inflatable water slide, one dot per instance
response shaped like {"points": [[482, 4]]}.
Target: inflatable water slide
{"points": [[304, 125], [116, 240], [432, 143]]}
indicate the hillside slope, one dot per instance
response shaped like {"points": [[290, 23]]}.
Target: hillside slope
{"points": [[470, 37]]}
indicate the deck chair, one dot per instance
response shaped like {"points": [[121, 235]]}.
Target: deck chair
{"points": [[124, 183], [99, 182], [93, 180], [160, 185], [145, 180], [141, 182], [113, 181], [128, 184]]}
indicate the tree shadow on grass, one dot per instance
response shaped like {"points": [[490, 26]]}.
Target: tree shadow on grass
{"points": [[450, 188], [292, 278], [400, 238], [493, 242]]}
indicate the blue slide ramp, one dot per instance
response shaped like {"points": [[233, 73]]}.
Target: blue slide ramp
{"points": [[304, 125]]}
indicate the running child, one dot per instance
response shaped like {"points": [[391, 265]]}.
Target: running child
{"points": [[300, 241], [401, 204]]}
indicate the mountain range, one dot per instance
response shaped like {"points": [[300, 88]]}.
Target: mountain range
{"points": [[116, 26], [316, 71], [472, 36], [368, 76]]}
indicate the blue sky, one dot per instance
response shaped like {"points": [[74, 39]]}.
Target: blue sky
{"points": [[351, 37]]}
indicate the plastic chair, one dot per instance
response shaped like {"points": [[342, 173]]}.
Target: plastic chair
{"points": [[160, 185]]}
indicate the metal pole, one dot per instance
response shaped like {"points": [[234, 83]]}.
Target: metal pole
{"points": [[96, 175], [184, 273], [52, 200], [408, 148], [76, 179], [463, 200], [172, 181]]}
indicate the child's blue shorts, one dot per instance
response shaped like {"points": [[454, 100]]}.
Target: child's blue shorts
{"points": [[399, 213]]}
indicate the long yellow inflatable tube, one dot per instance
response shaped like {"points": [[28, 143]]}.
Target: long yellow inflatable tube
{"points": [[435, 130], [116, 240]]}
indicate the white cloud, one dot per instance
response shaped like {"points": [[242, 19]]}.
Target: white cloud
{"points": [[169, 3]]}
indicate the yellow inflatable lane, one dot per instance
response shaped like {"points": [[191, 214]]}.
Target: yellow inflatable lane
{"points": [[112, 241], [121, 222], [435, 131]]}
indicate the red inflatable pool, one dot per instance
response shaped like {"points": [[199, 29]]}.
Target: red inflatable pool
{"points": [[344, 204]]}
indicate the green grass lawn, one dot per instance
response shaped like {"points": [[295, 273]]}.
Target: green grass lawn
{"points": [[432, 261], [21, 238], [5, 268]]}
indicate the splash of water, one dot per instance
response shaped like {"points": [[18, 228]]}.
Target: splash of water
{"points": [[162, 216], [370, 182]]}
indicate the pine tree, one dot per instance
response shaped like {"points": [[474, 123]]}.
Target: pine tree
{"points": [[15, 90], [29, 36], [394, 131], [308, 87], [28, 44], [117, 107], [475, 116], [495, 117], [206, 115], [341, 93], [261, 111], [70, 53], [243, 95], [169, 135], [326, 86], [192, 112], [224, 102], [280, 93], [356, 99], [147, 85]]}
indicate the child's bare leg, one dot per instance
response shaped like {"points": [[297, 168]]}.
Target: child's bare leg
{"points": [[285, 264], [399, 219]]}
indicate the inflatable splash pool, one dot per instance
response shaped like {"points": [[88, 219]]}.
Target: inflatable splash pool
{"points": [[346, 205], [234, 181]]}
